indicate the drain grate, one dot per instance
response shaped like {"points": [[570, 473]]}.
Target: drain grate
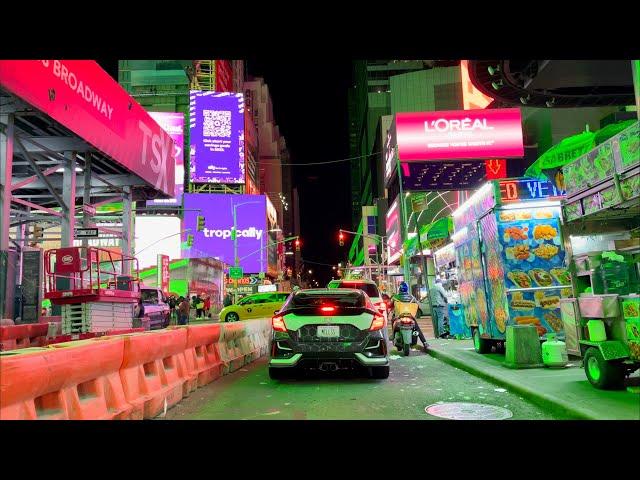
{"points": [[468, 411]]}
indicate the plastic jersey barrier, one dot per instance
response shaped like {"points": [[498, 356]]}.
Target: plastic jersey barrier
{"points": [[64, 382], [229, 346], [153, 370], [202, 355], [22, 336]]}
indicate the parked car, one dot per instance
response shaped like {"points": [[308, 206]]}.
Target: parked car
{"points": [[156, 308], [367, 286], [329, 330], [259, 305]]}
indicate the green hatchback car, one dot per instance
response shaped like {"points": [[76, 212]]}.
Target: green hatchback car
{"points": [[329, 330]]}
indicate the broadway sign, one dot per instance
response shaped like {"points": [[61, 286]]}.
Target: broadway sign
{"points": [[85, 99]]}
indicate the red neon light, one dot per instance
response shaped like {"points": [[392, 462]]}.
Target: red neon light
{"points": [[496, 168]]}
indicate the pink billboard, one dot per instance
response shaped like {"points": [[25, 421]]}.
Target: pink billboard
{"points": [[460, 134], [173, 124], [86, 100]]}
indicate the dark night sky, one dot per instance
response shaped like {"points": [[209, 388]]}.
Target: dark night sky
{"points": [[310, 107]]}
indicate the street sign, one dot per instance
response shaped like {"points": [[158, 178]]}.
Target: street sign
{"points": [[235, 272], [261, 275], [89, 209], [419, 202], [86, 233]]}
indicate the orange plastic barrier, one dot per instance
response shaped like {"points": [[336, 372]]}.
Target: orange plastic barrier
{"points": [[13, 337], [202, 356], [229, 346], [153, 370], [65, 382]]}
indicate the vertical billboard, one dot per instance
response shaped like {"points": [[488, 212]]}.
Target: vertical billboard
{"points": [[173, 124], [163, 273], [394, 240], [216, 125], [215, 239]]}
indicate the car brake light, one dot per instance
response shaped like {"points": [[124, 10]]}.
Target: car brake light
{"points": [[278, 324], [377, 323], [328, 309]]}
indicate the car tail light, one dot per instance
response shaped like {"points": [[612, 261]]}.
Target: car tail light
{"points": [[327, 309], [377, 323], [277, 322]]}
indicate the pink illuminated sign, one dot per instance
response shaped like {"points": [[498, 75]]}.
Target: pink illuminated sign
{"points": [[463, 134], [86, 100]]}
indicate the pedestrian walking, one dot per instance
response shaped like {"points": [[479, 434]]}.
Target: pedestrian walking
{"points": [[183, 311], [207, 306]]}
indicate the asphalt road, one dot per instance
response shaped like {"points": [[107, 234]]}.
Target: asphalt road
{"points": [[415, 382]]}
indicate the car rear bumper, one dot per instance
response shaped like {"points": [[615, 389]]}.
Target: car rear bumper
{"points": [[310, 359]]}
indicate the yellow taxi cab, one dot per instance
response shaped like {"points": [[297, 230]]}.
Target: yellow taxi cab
{"points": [[258, 305]]}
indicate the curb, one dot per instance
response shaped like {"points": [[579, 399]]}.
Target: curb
{"points": [[540, 399]]}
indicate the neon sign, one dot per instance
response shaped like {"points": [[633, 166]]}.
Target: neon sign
{"points": [[525, 190]]}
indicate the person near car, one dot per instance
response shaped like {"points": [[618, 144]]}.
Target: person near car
{"points": [[228, 299], [440, 307], [183, 311], [207, 306], [172, 307], [404, 296]]}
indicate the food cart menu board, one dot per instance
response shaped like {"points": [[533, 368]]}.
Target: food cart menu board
{"points": [[470, 282], [533, 255]]}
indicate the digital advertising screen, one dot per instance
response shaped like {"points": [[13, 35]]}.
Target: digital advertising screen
{"points": [[394, 239], [173, 124], [216, 125], [215, 241]]}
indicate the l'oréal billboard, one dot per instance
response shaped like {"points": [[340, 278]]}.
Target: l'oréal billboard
{"points": [[216, 124]]}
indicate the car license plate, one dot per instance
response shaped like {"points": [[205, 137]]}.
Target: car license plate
{"points": [[327, 331]]}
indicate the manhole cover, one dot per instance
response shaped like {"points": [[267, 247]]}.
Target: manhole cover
{"points": [[468, 411]]}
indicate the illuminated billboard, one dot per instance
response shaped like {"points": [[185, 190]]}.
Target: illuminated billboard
{"points": [[216, 125], [394, 240], [459, 134], [215, 239], [173, 124]]}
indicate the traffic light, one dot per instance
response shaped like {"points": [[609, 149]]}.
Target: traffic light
{"points": [[297, 245], [200, 223], [341, 239], [189, 240]]}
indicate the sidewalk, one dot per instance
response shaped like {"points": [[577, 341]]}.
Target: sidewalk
{"points": [[564, 390]]}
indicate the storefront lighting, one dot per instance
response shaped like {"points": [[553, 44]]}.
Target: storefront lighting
{"points": [[525, 100], [529, 205], [473, 199], [460, 234], [497, 85], [61, 170], [288, 253], [551, 103], [493, 70]]}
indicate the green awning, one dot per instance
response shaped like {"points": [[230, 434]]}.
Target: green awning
{"points": [[559, 155], [431, 235]]}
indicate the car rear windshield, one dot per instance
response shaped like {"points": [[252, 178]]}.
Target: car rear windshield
{"points": [[367, 288], [344, 300]]}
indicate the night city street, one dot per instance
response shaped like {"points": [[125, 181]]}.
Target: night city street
{"points": [[449, 239]]}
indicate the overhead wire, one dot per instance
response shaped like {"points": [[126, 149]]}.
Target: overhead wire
{"points": [[319, 163]]}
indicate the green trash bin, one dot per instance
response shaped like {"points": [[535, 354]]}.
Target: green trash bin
{"points": [[523, 349]]}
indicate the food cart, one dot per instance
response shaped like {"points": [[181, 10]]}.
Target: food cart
{"points": [[511, 259], [602, 212]]}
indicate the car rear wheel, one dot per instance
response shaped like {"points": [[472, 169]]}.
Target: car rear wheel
{"points": [[379, 372], [231, 317]]}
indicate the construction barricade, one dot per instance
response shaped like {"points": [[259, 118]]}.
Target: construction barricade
{"points": [[202, 356], [153, 370], [229, 346], [64, 382], [13, 337]]}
